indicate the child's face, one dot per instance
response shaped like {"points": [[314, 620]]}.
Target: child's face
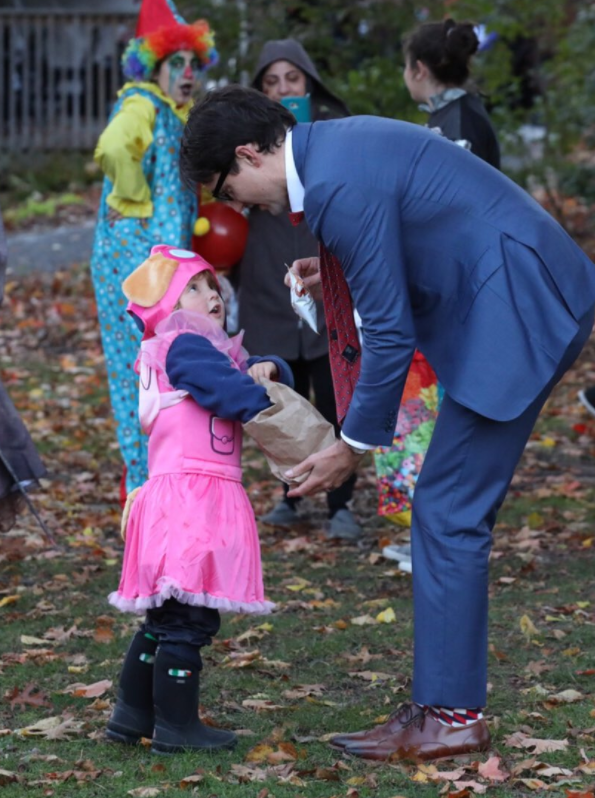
{"points": [[201, 296]]}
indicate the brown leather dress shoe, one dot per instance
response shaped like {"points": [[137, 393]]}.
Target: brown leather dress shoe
{"points": [[411, 733]]}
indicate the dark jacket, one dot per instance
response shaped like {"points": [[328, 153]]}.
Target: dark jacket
{"points": [[466, 119], [16, 446], [266, 315]]}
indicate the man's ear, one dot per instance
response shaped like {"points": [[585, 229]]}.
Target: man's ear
{"points": [[249, 153]]}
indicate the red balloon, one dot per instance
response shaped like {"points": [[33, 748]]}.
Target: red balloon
{"points": [[224, 244]]}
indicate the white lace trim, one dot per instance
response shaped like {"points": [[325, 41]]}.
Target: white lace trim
{"points": [[170, 589]]}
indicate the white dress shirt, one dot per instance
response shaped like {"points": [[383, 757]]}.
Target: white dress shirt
{"points": [[296, 194]]}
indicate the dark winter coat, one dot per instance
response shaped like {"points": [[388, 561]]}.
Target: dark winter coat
{"points": [[270, 324], [16, 446]]}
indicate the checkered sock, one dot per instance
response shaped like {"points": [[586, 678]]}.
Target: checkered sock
{"points": [[454, 717]]}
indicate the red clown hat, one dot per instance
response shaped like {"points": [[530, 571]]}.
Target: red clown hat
{"points": [[155, 14]]}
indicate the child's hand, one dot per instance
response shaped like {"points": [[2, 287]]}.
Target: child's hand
{"points": [[265, 370]]}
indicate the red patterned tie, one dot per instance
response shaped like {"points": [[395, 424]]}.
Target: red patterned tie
{"points": [[343, 341], [344, 346], [296, 217]]}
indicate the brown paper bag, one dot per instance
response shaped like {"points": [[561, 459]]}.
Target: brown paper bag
{"points": [[289, 431]]}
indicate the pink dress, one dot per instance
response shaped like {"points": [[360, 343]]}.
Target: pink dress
{"points": [[191, 534]]}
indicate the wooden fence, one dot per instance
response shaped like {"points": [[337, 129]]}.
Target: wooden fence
{"points": [[59, 74]]}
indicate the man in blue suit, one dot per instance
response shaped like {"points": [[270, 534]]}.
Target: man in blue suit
{"points": [[443, 253]]}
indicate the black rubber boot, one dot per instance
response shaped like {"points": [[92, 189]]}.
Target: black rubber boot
{"points": [[133, 716], [176, 695]]}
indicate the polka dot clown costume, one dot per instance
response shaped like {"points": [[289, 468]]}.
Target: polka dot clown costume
{"points": [[143, 200]]}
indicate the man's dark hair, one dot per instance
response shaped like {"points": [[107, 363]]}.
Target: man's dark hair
{"points": [[223, 120]]}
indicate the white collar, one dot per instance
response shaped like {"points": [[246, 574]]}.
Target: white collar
{"points": [[295, 189]]}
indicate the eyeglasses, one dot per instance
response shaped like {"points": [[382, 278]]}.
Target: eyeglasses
{"points": [[218, 194]]}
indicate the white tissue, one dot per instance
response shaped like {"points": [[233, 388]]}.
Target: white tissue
{"points": [[302, 302]]}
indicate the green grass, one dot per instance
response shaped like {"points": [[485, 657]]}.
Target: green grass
{"points": [[33, 207], [542, 572]]}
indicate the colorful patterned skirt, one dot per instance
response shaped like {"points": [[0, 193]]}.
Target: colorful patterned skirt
{"points": [[398, 466]]}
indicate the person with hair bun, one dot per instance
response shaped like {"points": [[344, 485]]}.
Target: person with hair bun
{"points": [[437, 68], [437, 73]]}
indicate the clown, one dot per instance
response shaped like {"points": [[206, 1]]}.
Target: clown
{"points": [[143, 200]]}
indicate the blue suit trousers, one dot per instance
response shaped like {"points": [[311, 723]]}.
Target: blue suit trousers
{"points": [[466, 473]]}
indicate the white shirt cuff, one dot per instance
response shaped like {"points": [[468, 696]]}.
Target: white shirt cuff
{"points": [[357, 444]]}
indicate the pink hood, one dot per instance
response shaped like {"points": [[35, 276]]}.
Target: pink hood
{"points": [[189, 264]]}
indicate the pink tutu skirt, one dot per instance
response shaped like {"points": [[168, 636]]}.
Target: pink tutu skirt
{"points": [[191, 537]]}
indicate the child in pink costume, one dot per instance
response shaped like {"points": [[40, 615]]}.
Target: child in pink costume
{"points": [[192, 545]]}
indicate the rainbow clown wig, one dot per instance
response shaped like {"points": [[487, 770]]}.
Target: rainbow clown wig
{"points": [[144, 53]]}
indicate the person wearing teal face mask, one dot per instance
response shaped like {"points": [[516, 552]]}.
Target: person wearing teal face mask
{"points": [[285, 72]]}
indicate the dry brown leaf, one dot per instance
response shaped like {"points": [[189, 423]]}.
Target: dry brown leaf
{"points": [[31, 696], [28, 640], [144, 792], [276, 663], [259, 753], [286, 752], [565, 697], [103, 634], [304, 690], [372, 676], [59, 635], [188, 781], [261, 704], [251, 634], [522, 740], [491, 770], [445, 775], [54, 728], [363, 656], [242, 659], [88, 690], [244, 774], [532, 784], [327, 774], [549, 771], [465, 786]]}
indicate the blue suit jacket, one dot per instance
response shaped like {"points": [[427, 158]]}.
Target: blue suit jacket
{"points": [[444, 253]]}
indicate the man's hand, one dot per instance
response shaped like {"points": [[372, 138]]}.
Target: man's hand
{"points": [[328, 469], [265, 370], [309, 270]]}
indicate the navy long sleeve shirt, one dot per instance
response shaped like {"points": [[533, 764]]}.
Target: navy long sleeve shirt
{"points": [[193, 364]]}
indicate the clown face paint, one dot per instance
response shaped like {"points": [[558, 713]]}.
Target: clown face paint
{"points": [[178, 75]]}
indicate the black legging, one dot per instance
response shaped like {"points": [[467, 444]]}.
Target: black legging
{"points": [[314, 376]]}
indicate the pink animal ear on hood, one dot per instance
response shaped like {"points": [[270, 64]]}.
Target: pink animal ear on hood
{"points": [[155, 287], [148, 283]]}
